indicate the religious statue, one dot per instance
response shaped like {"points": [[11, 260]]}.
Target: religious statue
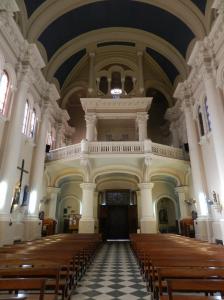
{"points": [[15, 198]]}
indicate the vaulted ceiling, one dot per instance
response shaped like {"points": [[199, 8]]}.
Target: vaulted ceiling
{"points": [[65, 29]]}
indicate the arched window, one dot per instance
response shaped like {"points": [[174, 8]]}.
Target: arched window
{"points": [[207, 114], [25, 118], [33, 124], [200, 120], [4, 87]]}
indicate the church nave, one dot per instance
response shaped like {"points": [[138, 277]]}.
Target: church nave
{"points": [[114, 274]]}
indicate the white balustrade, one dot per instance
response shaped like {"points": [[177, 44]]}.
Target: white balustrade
{"points": [[167, 151], [133, 147]]}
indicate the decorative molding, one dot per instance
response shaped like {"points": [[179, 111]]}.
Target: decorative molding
{"points": [[114, 105], [9, 6]]}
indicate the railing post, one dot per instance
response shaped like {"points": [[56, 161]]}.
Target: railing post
{"points": [[84, 146], [147, 146]]}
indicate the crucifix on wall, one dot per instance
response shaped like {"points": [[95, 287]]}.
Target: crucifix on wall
{"points": [[17, 192]]}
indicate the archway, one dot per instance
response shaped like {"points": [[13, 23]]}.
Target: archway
{"points": [[117, 205], [166, 216]]}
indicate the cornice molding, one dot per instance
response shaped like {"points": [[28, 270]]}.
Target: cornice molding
{"points": [[116, 105]]}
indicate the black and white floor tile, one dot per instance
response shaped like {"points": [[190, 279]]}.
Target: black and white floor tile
{"points": [[114, 274]]}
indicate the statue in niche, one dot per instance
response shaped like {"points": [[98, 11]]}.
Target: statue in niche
{"points": [[163, 216]]}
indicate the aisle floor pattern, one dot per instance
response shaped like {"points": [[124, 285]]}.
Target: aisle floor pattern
{"points": [[114, 274]]}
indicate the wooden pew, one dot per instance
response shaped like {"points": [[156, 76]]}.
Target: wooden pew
{"points": [[165, 274], [32, 289], [187, 286]]}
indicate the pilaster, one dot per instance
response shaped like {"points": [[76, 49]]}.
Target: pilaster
{"points": [[87, 222], [90, 127], [53, 195], [141, 121], [183, 196], [148, 221]]}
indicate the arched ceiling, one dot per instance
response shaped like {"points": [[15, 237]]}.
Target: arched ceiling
{"points": [[65, 30]]}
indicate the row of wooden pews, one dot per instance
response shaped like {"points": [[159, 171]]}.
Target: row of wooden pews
{"points": [[55, 262], [180, 268]]}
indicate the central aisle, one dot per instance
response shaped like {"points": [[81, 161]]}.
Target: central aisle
{"points": [[114, 274]]}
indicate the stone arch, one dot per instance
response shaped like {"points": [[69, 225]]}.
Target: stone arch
{"points": [[118, 170], [173, 217]]}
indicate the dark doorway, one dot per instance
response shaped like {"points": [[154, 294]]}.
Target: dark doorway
{"points": [[118, 222], [117, 215]]}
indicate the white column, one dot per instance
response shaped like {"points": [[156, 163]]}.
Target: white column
{"points": [[53, 194], [175, 136], [86, 223], [90, 127], [59, 135], [182, 192], [197, 166], [32, 222], [148, 221], [202, 230], [140, 74], [91, 87], [142, 126], [216, 113], [38, 167], [13, 145]]}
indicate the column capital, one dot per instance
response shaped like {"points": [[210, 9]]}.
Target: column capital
{"points": [[142, 117], [146, 185], [182, 189], [140, 53], [53, 189], [90, 119], [92, 54], [88, 186]]}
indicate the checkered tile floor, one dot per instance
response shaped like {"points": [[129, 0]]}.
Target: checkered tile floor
{"points": [[114, 274]]}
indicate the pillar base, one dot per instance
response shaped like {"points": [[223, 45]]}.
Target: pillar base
{"points": [[148, 225], [203, 229], [32, 229], [86, 225]]}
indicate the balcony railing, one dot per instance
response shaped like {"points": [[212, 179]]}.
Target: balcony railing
{"points": [[132, 147]]}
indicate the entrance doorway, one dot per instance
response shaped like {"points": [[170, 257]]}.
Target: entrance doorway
{"points": [[117, 214]]}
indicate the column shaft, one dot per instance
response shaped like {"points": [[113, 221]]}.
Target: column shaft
{"points": [[86, 223], [197, 167], [182, 195], [148, 221], [216, 111], [12, 148], [38, 169]]}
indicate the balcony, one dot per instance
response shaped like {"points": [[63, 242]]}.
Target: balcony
{"points": [[75, 151]]}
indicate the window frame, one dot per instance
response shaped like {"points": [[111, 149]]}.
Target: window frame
{"points": [[5, 102]]}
